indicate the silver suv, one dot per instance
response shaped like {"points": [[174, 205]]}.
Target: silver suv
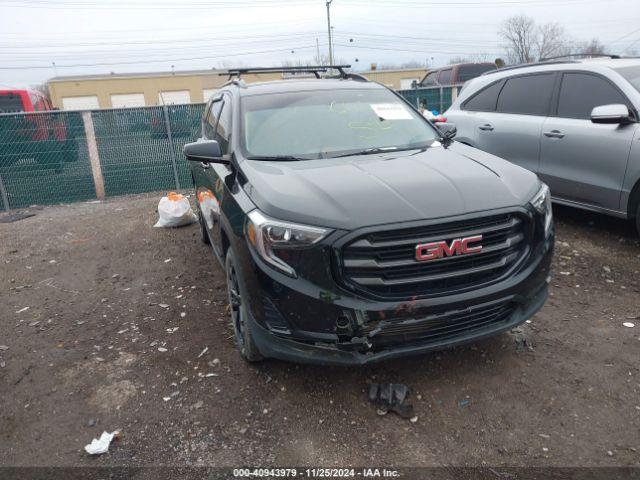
{"points": [[574, 123]]}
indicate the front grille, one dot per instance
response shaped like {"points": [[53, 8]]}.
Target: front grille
{"points": [[441, 326], [383, 264]]}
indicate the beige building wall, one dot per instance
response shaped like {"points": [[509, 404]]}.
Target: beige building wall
{"points": [[148, 84], [392, 78], [151, 84]]}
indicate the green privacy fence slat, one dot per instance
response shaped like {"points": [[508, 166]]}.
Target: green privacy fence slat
{"points": [[44, 159], [135, 147], [184, 121]]}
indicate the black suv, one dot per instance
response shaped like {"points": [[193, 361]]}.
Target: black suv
{"points": [[353, 230]]}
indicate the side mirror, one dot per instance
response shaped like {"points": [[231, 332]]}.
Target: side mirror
{"points": [[448, 130], [206, 151], [616, 113]]}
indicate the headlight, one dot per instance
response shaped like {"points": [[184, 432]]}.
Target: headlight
{"points": [[274, 240], [542, 203]]}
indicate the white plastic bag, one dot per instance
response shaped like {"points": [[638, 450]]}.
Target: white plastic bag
{"points": [[175, 211]]}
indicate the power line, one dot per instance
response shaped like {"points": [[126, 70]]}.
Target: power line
{"points": [[208, 57], [46, 36], [373, 47], [88, 5], [154, 6], [32, 56], [156, 42]]}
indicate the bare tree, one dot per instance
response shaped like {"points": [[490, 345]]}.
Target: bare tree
{"points": [[519, 35], [475, 58], [551, 41], [321, 59], [43, 89], [413, 64], [455, 60], [404, 65], [227, 64], [526, 42], [593, 47]]}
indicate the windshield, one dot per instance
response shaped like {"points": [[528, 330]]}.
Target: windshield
{"points": [[323, 124], [631, 74]]}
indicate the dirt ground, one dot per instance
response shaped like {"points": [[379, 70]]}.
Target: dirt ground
{"points": [[107, 323]]}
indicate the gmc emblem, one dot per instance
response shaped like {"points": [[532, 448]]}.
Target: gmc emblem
{"points": [[459, 246]]}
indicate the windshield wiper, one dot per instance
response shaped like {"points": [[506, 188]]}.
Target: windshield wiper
{"points": [[368, 151], [277, 158], [374, 150]]}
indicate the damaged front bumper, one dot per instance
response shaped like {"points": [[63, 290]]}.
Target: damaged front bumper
{"points": [[360, 350], [303, 325]]}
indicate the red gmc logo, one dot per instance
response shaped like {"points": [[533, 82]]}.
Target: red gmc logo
{"points": [[459, 246]]}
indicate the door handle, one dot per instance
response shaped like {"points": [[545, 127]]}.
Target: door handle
{"points": [[205, 165], [487, 127], [554, 134]]}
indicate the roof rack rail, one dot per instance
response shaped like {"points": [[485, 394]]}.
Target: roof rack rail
{"points": [[555, 60], [233, 81], [525, 65], [579, 55], [315, 69], [352, 76]]}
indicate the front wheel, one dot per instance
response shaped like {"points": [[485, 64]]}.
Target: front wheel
{"points": [[237, 305], [638, 218]]}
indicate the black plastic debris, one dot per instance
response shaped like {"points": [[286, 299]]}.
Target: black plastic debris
{"points": [[524, 341], [15, 217], [391, 397]]}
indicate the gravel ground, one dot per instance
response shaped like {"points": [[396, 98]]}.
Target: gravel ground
{"points": [[108, 323]]}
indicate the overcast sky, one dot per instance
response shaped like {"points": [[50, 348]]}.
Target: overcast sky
{"points": [[101, 36]]}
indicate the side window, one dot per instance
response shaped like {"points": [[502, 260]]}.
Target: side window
{"points": [[485, 100], [445, 77], [527, 95], [430, 79], [223, 130], [581, 92], [467, 72], [211, 119]]}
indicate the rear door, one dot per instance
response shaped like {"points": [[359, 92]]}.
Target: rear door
{"points": [[512, 130], [582, 161]]}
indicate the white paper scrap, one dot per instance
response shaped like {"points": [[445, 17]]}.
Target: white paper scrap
{"points": [[391, 111], [101, 445]]}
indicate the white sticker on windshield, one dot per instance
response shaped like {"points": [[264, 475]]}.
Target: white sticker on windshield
{"points": [[391, 111]]}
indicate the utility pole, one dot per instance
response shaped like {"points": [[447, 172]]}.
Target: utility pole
{"points": [[329, 31]]}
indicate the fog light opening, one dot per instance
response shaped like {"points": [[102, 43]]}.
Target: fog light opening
{"points": [[344, 327]]}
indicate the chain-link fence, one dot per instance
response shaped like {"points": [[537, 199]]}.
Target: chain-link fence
{"points": [[58, 157], [432, 98]]}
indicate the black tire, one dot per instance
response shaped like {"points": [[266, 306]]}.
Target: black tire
{"points": [[237, 292], [204, 235], [638, 218]]}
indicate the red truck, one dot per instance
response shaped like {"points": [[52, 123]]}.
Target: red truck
{"points": [[31, 130]]}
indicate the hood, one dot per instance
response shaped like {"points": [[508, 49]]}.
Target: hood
{"points": [[353, 192]]}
